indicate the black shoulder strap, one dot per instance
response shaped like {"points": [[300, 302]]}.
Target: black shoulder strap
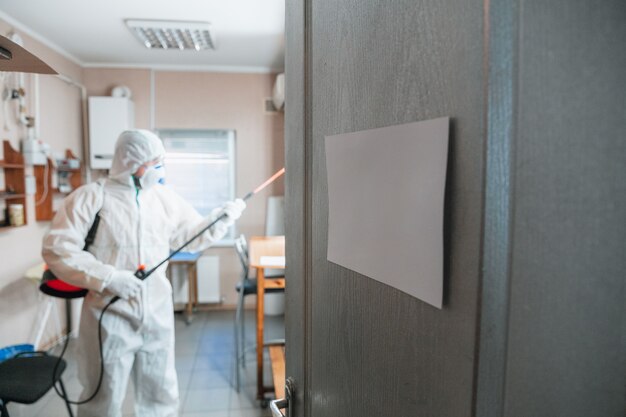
{"points": [[91, 235]]}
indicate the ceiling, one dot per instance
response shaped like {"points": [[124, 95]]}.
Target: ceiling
{"points": [[249, 33]]}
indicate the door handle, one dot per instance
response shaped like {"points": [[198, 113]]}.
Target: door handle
{"points": [[277, 404]]}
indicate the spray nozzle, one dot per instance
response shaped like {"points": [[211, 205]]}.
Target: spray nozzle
{"points": [[141, 272]]}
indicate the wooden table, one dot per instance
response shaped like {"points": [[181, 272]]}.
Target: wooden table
{"points": [[277, 359], [190, 260], [264, 253]]}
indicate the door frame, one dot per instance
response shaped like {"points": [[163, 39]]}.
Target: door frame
{"points": [[298, 205], [500, 40]]}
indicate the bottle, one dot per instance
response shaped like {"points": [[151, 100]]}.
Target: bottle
{"points": [[16, 214]]}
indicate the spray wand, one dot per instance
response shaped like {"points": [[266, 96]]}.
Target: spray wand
{"points": [[141, 272]]}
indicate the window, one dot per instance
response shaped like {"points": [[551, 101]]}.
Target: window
{"points": [[200, 166]]}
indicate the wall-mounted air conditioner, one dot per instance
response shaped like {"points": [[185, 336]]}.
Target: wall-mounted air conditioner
{"points": [[278, 92]]}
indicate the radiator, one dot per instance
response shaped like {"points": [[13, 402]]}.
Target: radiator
{"points": [[208, 281]]}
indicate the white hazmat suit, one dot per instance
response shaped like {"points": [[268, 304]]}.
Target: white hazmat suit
{"points": [[137, 226]]}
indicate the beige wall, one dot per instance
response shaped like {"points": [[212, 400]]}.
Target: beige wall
{"points": [[196, 100], [60, 126]]}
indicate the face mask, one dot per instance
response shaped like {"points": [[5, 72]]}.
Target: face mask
{"points": [[154, 175]]}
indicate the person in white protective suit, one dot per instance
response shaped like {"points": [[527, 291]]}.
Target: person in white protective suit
{"points": [[141, 220]]}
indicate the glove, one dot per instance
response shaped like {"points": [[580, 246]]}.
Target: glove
{"points": [[233, 210], [124, 284]]}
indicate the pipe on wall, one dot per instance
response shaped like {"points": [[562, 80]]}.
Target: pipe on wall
{"points": [[85, 127]]}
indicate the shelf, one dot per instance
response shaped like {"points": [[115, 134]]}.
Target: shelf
{"points": [[12, 158], [6, 196], [14, 191], [8, 165], [8, 226], [44, 210]]}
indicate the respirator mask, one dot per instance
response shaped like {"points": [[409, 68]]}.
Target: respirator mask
{"points": [[154, 174]]}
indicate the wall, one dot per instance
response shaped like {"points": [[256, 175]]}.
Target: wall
{"points": [[201, 100], [60, 126], [181, 100]]}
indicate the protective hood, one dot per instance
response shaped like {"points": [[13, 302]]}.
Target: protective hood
{"points": [[132, 149]]}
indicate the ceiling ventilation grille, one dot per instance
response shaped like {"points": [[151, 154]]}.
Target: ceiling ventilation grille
{"points": [[167, 34]]}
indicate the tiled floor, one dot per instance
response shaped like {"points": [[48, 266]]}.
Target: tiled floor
{"points": [[205, 366]]}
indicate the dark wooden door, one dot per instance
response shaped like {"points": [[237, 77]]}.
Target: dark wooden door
{"points": [[534, 218], [371, 350]]}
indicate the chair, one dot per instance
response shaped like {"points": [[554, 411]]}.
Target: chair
{"points": [[25, 379], [246, 286]]}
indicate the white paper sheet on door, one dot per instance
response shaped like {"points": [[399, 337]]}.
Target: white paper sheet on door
{"points": [[385, 205]]}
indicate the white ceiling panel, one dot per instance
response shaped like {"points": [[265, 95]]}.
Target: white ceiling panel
{"points": [[249, 33]]}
